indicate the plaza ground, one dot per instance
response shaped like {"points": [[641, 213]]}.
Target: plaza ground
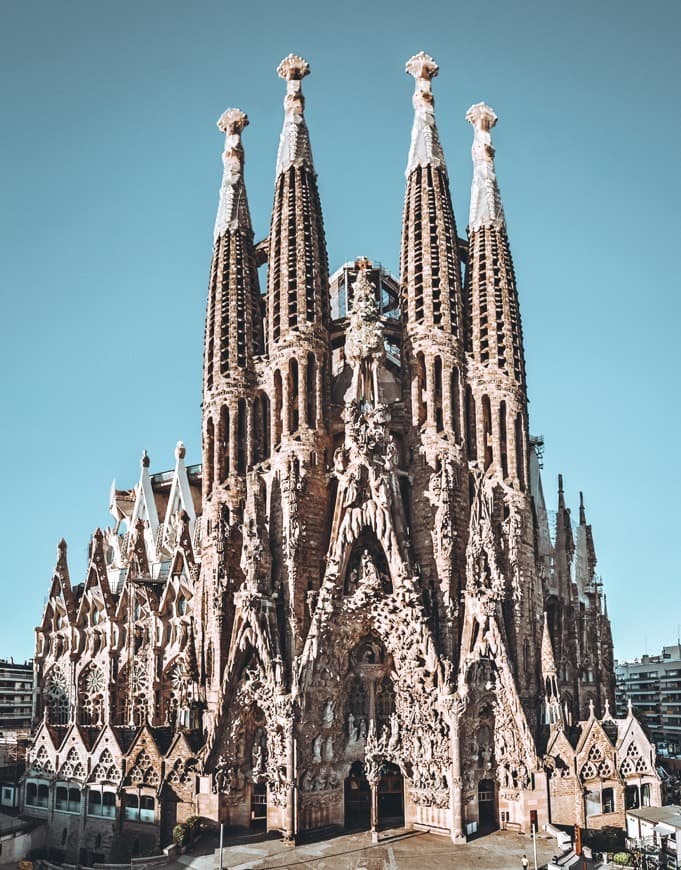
{"points": [[397, 849]]}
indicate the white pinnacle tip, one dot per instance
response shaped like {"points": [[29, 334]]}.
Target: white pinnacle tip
{"points": [[421, 66], [481, 115], [293, 68], [232, 121], [180, 450]]}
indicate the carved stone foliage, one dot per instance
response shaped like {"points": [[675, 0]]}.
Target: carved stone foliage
{"points": [[256, 559], [253, 744]]}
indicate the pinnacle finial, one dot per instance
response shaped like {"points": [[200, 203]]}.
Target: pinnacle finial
{"points": [[425, 149], [486, 208], [422, 66], [294, 143], [145, 459], [232, 121], [582, 511], [180, 450], [482, 116], [232, 206], [592, 712], [293, 68]]}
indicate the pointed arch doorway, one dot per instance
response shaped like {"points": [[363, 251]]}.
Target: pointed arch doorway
{"points": [[390, 796], [357, 799]]}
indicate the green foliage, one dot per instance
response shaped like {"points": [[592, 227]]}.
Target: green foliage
{"points": [[623, 859], [180, 834], [185, 832]]}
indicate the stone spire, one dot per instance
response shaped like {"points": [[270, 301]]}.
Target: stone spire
{"points": [[553, 711], [493, 330], [298, 276], [430, 268], [585, 554], [233, 318]]}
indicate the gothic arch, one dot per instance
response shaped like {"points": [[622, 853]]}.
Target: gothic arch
{"points": [[55, 694], [91, 694]]}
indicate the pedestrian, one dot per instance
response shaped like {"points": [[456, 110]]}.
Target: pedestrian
{"points": [[524, 863]]}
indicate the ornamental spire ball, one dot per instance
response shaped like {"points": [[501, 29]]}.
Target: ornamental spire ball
{"points": [[293, 68]]}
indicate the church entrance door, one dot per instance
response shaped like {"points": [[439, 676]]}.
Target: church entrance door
{"points": [[259, 806], [390, 796], [487, 820], [357, 798]]}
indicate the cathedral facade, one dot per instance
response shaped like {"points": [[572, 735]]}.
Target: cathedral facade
{"points": [[353, 612]]}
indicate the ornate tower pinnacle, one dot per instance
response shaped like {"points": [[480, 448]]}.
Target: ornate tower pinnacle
{"points": [[486, 208], [425, 142], [298, 275], [294, 144], [233, 205]]}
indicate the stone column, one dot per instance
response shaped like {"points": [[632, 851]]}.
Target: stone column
{"points": [[290, 820], [454, 709]]}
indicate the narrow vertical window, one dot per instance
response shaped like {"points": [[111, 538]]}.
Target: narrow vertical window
{"points": [[471, 429], [311, 398], [421, 389], [487, 430], [276, 433], [437, 372], [224, 443], [520, 451], [241, 447], [454, 409], [210, 455], [293, 396], [503, 440]]}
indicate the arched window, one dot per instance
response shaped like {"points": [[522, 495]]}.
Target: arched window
{"points": [[520, 451], [276, 434], [224, 443], [293, 415], [487, 430], [503, 440], [262, 427], [311, 398], [210, 456], [454, 408], [421, 386], [242, 446], [437, 377], [470, 425]]}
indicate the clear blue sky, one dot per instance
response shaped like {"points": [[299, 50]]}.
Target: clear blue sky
{"points": [[110, 172]]}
